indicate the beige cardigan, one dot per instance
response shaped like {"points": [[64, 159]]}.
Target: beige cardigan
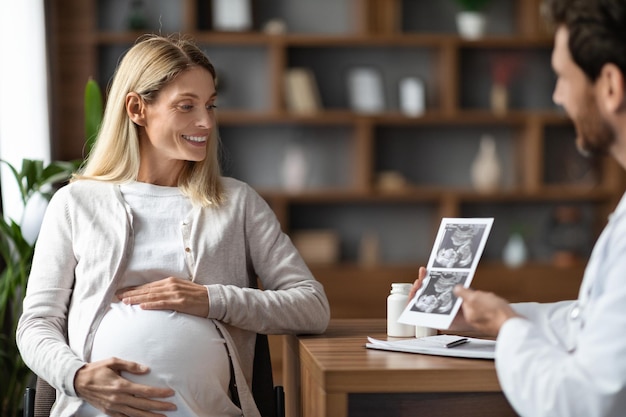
{"points": [[81, 253]]}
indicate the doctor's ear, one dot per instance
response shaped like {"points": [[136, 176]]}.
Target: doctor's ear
{"points": [[612, 84], [136, 108]]}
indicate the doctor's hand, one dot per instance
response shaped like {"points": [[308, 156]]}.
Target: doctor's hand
{"points": [[101, 385], [485, 312], [170, 293]]}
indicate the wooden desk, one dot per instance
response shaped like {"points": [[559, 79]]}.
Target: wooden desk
{"points": [[334, 375]]}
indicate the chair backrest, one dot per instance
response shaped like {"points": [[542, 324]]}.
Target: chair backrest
{"points": [[38, 401], [262, 378], [269, 399]]}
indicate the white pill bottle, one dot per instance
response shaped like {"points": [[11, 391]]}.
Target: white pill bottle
{"points": [[396, 303]]}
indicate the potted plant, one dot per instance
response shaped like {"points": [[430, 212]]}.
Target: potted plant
{"points": [[37, 182], [471, 20]]}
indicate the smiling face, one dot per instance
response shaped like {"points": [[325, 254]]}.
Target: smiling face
{"points": [[176, 127], [576, 94]]}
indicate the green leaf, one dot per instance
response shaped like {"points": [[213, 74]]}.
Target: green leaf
{"points": [[31, 171], [473, 5], [34, 176], [93, 113], [55, 172], [18, 179]]}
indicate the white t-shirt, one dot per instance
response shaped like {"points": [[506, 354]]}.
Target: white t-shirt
{"points": [[184, 352]]}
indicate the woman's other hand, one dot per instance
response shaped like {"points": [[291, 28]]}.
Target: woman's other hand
{"points": [[170, 293], [101, 385]]}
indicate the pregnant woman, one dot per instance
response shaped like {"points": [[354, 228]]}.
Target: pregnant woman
{"points": [[143, 298]]}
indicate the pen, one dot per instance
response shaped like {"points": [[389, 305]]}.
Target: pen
{"points": [[457, 342]]}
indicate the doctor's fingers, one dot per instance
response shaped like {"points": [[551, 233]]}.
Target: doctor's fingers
{"points": [[417, 284]]}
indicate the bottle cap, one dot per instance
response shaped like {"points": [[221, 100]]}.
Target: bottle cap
{"points": [[402, 287]]}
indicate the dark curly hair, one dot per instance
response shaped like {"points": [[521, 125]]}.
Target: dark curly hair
{"points": [[597, 31]]}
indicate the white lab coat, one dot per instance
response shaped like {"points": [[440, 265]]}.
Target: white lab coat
{"points": [[569, 358]]}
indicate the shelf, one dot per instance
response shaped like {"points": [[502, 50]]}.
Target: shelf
{"points": [[347, 151], [461, 117], [433, 194], [332, 40]]}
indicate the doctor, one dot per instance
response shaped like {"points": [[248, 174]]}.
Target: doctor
{"points": [[569, 358]]}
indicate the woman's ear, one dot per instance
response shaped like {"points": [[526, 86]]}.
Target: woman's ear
{"points": [[135, 108], [611, 89]]}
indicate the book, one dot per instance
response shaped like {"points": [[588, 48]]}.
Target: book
{"points": [[301, 92], [439, 345]]}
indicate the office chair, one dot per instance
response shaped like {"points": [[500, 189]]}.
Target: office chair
{"points": [[269, 399]]}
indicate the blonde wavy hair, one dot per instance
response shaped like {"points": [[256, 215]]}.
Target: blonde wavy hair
{"points": [[152, 63]]}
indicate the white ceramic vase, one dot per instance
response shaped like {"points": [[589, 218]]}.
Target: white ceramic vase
{"points": [[294, 169], [32, 217], [514, 253], [486, 169], [471, 25], [412, 96]]}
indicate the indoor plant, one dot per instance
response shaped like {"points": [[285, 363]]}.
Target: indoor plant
{"points": [[473, 5], [470, 19], [35, 180]]}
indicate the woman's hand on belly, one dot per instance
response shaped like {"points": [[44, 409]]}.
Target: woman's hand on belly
{"points": [[102, 386], [169, 294]]}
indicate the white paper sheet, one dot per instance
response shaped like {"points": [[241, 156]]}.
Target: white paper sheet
{"points": [[458, 247], [432, 345]]}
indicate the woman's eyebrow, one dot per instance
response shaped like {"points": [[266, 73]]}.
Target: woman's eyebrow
{"points": [[196, 96]]}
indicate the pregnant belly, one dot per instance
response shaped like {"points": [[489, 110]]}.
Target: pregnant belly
{"points": [[184, 352]]}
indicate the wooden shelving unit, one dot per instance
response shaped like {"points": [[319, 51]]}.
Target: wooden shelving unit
{"points": [[349, 150]]}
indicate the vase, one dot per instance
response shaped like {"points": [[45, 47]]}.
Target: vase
{"points": [[232, 15], [471, 25], [412, 96], [32, 217], [294, 169], [486, 167], [514, 253]]}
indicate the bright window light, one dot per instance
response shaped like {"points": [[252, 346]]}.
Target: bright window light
{"points": [[24, 124]]}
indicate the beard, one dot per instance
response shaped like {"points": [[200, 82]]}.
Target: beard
{"points": [[594, 135]]}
